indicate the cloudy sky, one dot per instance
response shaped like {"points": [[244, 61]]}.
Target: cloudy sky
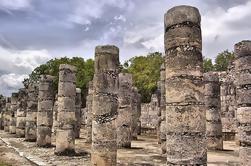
{"points": [[34, 31]]}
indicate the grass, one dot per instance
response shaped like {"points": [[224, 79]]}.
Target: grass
{"points": [[4, 164]]}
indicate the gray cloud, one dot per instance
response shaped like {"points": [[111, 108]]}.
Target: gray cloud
{"points": [[73, 28]]}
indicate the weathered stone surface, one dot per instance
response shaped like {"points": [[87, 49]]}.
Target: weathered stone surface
{"points": [[66, 117], [185, 110], [149, 115], [125, 117], [31, 113], [213, 118], [243, 94], [13, 113], [7, 110], [89, 115], [105, 105], [136, 113], [186, 149], [78, 115], [245, 156], [228, 103], [21, 113], [45, 111]]}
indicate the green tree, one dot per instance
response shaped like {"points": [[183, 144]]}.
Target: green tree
{"points": [[146, 73], [85, 71], [207, 65], [223, 59]]}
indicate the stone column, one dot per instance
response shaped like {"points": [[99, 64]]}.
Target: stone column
{"points": [[55, 115], [125, 117], [136, 110], [89, 100], [2, 107], [162, 109], [13, 113], [243, 87], [185, 109], [45, 111], [65, 136], [31, 114], [21, 112], [105, 106], [7, 114], [78, 113], [213, 118]]}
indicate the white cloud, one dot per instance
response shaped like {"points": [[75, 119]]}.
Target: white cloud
{"points": [[15, 4], [10, 83], [16, 65], [223, 28], [85, 12]]}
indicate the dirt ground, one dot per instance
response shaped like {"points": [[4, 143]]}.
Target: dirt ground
{"points": [[144, 152]]}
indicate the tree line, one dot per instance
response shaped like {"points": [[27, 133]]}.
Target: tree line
{"points": [[145, 70]]}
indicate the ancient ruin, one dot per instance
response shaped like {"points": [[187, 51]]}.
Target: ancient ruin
{"points": [[105, 105], [78, 113], [213, 118], [21, 113], [101, 117], [65, 136], [89, 112], [45, 111], [185, 110], [125, 117], [31, 114], [243, 96]]}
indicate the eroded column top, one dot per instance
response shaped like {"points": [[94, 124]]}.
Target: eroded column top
{"points": [[242, 48], [182, 14]]}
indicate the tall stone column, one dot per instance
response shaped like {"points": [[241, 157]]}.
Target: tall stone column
{"points": [[89, 100], [105, 106], [2, 107], [55, 115], [78, 113], [21, 112], [13, 113], [45, 111], [213, 106], [185, 109], [136, 110], [162, 109], [65, 136], [7, 114], [31, 114], [125, 117], [243, 87]]}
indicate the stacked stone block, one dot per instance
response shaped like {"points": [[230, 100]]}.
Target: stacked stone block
{"points": [[2, 107], [31, 113], [212, 103], [89, 100], [136, 113], [6, 115], [149, 115], [162, 109], [185, 109], [21, 113], [45, 111], [243, 95], [78, 113], [105, 106], [125, 117], [55, 115], [228, 103], [13, 113], [65, 136]]}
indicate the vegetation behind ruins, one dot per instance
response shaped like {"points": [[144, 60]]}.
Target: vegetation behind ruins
{"points": [[145, 70]]}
